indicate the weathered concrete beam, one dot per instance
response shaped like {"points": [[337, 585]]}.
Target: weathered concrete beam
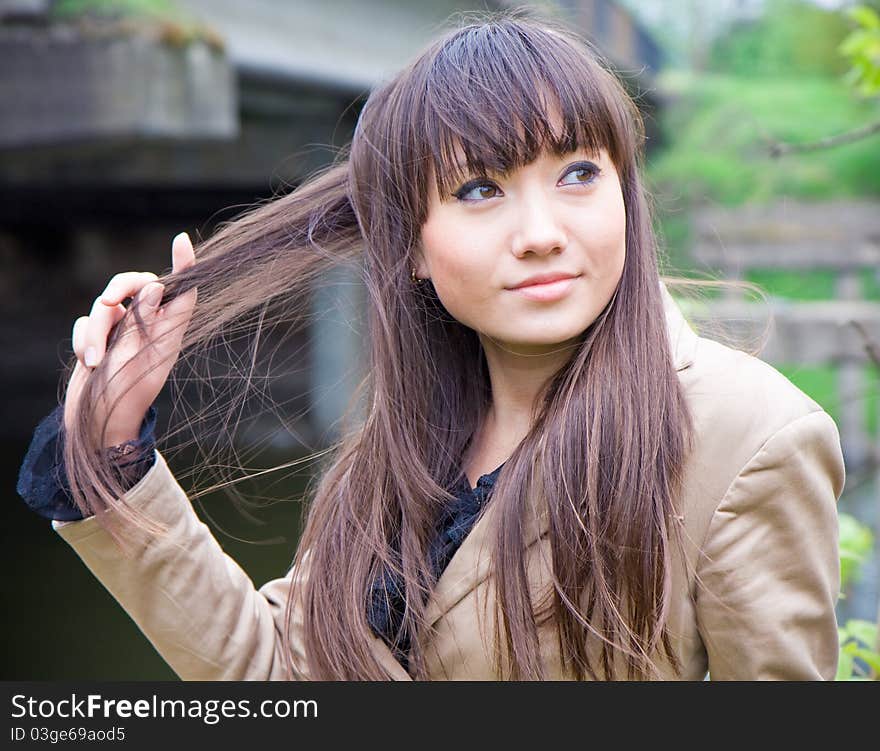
{"points": [[60, 83]]}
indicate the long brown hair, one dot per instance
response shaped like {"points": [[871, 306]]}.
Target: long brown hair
{"points": [[611, 430]]}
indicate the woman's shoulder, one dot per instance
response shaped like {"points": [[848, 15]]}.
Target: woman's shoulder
{"points": [[740, 402], [730, 390], [745, 382], [762, 446]]}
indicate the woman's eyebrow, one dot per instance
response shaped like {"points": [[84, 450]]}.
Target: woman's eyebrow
{"points": [[460, 170]]}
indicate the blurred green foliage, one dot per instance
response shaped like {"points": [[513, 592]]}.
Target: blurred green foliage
{"points": [[790, 38], [859, 658], [858, 641], [715, 131], [176, 27], [779, 78], [817, 284], [856, 542], [152, 8], [862, 49]]}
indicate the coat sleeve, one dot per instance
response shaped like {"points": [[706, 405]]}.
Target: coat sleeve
{"points": [[194, 603], [769, 572]]}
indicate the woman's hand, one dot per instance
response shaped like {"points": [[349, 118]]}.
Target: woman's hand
{"points": [[138, 385]]}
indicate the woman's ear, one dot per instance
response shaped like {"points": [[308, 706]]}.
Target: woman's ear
{"points": [[420, 264]]}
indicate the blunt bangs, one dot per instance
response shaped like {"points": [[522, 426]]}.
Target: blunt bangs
{"points": [[498, 96]]}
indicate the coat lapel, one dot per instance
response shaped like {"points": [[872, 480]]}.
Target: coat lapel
{"points": [[683, 340], [387, 660], [470, 564]]}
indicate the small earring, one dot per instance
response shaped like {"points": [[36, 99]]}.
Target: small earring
{"points": [[412, 275]]}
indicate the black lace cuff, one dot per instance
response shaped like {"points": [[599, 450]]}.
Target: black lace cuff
{"points": [[42, 481]]}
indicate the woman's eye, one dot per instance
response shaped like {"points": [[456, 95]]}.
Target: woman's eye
{"points": [[583, 174], [476, 191]]}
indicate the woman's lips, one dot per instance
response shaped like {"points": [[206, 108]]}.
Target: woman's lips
{"points": [[548, 291]]}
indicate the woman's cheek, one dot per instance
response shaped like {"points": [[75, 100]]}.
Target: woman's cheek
{"points": [[613, 255], [454, 298], [608, 246], [462, 288]]}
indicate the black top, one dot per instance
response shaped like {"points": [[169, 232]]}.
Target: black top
{"points": [[385, 613], [43, 486]]}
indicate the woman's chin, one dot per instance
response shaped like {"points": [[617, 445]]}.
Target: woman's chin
{"points": [[536, 344]]}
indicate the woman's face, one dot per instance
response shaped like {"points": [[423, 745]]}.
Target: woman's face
{"points": [[560, 216]]}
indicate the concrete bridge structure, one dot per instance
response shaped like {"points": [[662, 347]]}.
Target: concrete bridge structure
{"points": [[121, 137]]}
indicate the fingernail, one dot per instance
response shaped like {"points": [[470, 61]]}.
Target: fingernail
{"points": [[91, 357], [153, 296]]}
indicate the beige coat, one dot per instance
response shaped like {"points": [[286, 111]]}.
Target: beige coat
{"points": [[759, 498]]}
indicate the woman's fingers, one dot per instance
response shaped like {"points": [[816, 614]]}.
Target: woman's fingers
{"points": [[90, 333], [182, 254], [146, 351], [126, 284], [101, 319], [78, 337], [178, 311]]}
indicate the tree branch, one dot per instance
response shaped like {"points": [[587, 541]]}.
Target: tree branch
{"points": [[779, 148]]}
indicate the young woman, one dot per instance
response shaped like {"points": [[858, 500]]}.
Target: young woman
{"points": [[553, 475]]}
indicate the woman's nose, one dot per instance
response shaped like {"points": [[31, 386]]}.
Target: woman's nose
{"points": [[537, 229]]}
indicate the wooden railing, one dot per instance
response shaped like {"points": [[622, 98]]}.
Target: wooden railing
{"points": [[841, 237]]}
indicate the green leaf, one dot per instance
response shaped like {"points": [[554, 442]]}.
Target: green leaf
{"points": [[864, 16], [844, 667], [856, 538], [854, 535], [854, 43], [863, 631], [849, 555], [852, 76], [869, 657]]}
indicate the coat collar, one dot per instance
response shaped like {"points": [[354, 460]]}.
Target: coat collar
{"points": [[682, 338], [386, 659], [470, 565]]}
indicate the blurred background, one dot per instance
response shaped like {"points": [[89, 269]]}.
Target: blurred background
{"points": [[124, 122]]}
